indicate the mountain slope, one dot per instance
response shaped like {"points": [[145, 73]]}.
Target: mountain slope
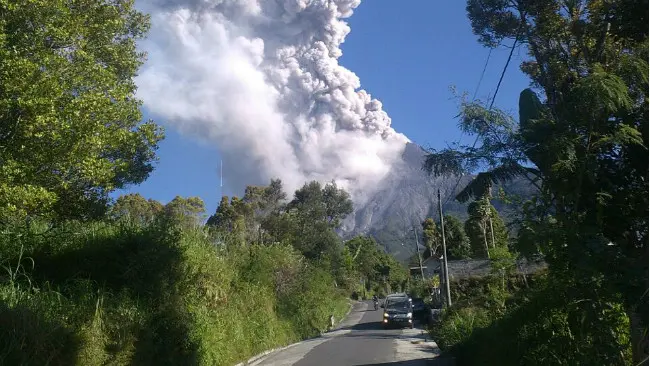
{"points": [[407, 196]]}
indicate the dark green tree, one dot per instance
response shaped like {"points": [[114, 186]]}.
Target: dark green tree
{"points": [[254, 216], [583, 144], [328, 203], [315, 212], [378, 269], [458, 245], [225, 218]]}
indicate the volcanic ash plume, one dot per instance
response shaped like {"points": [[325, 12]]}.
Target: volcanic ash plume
{"points": [[260, 80]]}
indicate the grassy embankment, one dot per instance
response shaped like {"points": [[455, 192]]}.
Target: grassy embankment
{"points": [[91, 294]]}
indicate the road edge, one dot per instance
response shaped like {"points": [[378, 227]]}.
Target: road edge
{"points": [[277, 349]]}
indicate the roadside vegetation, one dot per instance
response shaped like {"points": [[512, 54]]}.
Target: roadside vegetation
{"points": [[581, 139], [120, 293], [87, 280], [150, 283]]}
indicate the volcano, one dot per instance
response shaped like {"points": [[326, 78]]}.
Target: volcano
{"points": [[407, 196]]}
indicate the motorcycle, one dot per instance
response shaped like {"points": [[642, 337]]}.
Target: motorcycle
{"points": [[376, 304]]}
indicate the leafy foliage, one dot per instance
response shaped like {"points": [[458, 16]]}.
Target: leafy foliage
{"points": [[484, 228], [546, 325], [456, 240], [458, 244], [316, 211], [431, 238], [134, 207], [126, 293], [186, 212], [379, 271], [586, 139], [70, 125]]}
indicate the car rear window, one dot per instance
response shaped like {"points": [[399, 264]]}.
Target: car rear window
{"points": [[399, 304]]}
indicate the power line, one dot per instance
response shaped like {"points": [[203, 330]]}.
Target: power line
{"points": [[478, 86], [487, 60], [494, 97]]}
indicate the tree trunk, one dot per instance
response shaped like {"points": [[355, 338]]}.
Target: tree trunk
{"points": [[639, 338], [487, 248], [521, 269], [492, 232]]}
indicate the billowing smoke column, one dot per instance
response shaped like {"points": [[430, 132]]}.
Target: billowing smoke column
{"points": [[260, 80]]}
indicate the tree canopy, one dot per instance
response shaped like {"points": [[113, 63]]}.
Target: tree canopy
{"points": [[456, 239], [137, 208], [581, 138], [70, 125]]}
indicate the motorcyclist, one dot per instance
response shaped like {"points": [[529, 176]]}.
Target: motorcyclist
{"points": [[375, 300]]}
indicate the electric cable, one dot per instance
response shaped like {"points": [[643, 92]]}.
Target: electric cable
{"points": [[503, 72]]}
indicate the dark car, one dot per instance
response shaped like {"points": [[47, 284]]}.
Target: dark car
{"points": [[398, 312]]}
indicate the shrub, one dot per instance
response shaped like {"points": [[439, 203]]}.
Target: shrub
{"points": [[126, 294], [552, 323], [457, 325]]}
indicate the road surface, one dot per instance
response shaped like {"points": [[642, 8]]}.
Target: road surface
{"points": [[360, 340]]}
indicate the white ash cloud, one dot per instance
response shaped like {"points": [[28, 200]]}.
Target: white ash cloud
{"points": [[260, 80]]}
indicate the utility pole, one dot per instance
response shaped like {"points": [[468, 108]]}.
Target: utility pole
{"points": [[417, 247], [444, 251]]}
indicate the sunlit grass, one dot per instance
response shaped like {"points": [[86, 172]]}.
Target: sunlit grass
{"points": [[96, 294]]}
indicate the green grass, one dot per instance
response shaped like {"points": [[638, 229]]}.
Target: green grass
{"points": [[109, 294]]}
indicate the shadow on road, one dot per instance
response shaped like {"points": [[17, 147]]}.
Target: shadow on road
{"points": [[377, 325], [373, 335], [364, 326], [433, 362]]}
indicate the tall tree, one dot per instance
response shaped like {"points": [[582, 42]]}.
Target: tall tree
{"points": [[337, 204], [317, 211], [431, 238], [328, 203], [584, 143], [225, 217], [253, 215], [378, 269], [136, 208], [456, 240], [70, 124], [485, 228], [185, 212]]}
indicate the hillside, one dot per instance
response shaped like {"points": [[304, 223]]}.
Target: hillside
{"points": [[409, 195]]}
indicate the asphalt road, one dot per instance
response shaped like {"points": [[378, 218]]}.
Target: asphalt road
{"points": [[360, 340]]}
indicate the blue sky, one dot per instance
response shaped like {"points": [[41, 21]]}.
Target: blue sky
{"points": [[407, 54]]}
